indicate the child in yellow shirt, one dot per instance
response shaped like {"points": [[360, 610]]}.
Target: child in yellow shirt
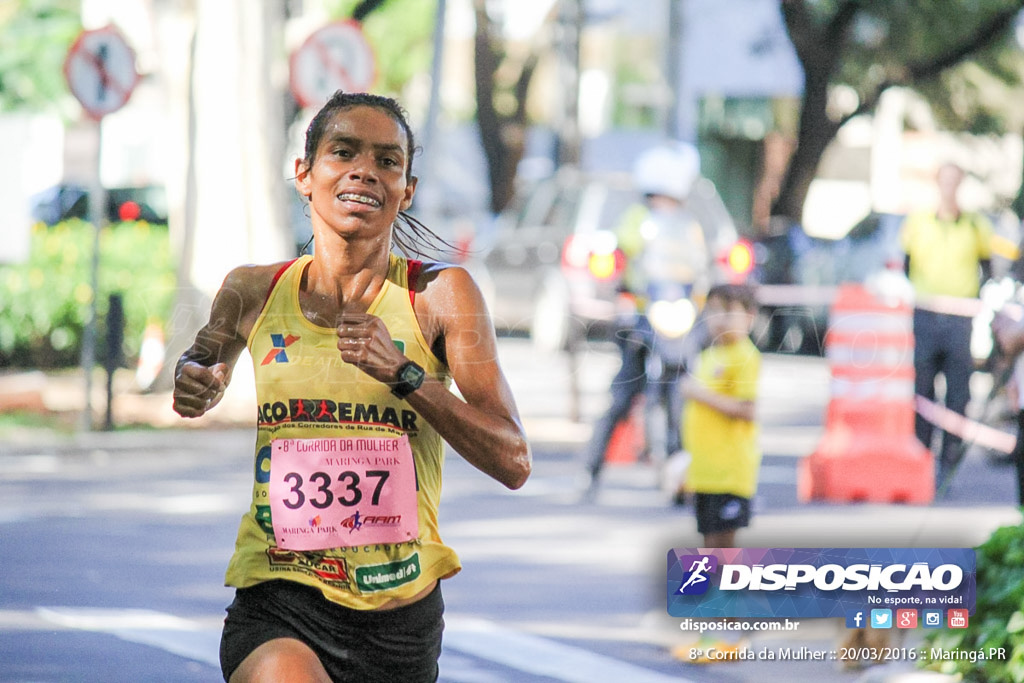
{"points": [[719, 425]]}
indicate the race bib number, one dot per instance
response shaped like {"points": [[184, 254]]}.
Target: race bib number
{"points": [[333, 493]]}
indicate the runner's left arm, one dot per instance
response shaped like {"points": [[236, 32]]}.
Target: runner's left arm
{"points": [[485, 428]]}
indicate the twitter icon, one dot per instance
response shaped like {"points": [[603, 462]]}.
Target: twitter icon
{"points": [[881, 618]]}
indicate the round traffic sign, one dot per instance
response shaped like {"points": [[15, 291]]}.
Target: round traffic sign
{"points": [[335, 57], [100, 70]]}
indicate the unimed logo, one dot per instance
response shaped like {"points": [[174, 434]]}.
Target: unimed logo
{"points": [[697, 577]]}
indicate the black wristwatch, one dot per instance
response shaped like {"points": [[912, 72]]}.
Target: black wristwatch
{"points": [[409, 378]]}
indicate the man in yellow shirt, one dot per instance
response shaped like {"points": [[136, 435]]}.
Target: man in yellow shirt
{"points": [[948, 253]]}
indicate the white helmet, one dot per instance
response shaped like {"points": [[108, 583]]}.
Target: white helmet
{"points": [[669, 169]]}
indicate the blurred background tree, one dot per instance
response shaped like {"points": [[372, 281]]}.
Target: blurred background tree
{"points": [[962, 56], [399, 33], [35, 35], [502, 82]]}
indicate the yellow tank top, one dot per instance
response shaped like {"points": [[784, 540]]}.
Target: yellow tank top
{"points": [[305, 391]]}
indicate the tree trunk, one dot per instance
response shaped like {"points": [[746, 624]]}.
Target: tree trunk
{"points": [[503, 137], [815, 133], [228, 190], [485, 65]]}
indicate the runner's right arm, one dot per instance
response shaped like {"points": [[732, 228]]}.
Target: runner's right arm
{"points": [[204, 370]]}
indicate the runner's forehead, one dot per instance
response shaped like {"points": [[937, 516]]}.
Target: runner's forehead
{"points": [[365, 125]]}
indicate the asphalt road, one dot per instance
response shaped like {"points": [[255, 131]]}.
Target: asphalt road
{"points": [[113, 546]]}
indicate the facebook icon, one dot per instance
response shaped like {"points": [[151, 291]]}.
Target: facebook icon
{"points": [[855, 618]]}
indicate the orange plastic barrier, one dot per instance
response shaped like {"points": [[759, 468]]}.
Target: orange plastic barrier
{"points": [[869, 451]]}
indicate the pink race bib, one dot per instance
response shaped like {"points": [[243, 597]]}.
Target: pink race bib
{"points": [[339, 492]]}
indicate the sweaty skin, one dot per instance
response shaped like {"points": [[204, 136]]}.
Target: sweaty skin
{"points": [[356, 185]]}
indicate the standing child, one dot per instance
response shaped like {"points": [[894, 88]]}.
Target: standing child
{"points": [[719, 426], [720, 433]]}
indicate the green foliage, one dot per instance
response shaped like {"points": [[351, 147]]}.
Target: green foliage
{"points": [[399, 31], [44, 303], [636, 67], [35, 35], [998, 620], [977, 95]]}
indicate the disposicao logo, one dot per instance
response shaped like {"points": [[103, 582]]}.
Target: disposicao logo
{"points": [[697, 581], [277, 354], [818, 582]]}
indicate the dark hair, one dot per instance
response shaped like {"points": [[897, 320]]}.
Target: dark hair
{"points": [[734, 293], [410, 235], [346, 100]]}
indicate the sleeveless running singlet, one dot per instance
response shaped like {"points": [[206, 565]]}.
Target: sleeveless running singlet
{"points": [[352, 426]]}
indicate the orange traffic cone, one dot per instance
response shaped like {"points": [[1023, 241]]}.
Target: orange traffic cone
{"points": [[627, 440], [869, 451]]}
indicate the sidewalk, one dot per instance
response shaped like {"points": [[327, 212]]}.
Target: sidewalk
{"points": [[60, 396]]}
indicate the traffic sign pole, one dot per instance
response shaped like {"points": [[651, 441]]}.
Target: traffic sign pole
{"points": [[100, 71], [98, 217]]}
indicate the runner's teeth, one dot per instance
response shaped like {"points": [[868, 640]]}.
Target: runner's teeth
{"points": [[348, 196]]}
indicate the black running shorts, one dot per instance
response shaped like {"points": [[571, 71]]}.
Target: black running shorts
{"points": [[721, 512], [368, 646]]}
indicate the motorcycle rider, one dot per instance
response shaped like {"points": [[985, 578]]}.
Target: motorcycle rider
{"points": [[665, 251]]}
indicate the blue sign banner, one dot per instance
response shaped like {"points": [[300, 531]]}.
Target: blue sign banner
{"points": [[817, 582]]}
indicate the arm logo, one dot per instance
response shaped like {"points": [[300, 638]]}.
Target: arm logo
{"points": [[277, 354], [696, 580]]}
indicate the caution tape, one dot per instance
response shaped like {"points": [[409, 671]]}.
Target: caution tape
{"points": [[795, 295], [950, 305], [971, 431]]}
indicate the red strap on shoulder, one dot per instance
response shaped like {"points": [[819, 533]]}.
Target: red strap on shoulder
{"points": [[277, 276], [412, 275]]}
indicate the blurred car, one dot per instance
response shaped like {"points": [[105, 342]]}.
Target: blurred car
{"points": [[796, 321], [552, 265], [61, 202], [869, 252]]}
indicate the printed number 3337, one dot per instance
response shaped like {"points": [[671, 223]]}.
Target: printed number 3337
{"points": [[346, 490]]}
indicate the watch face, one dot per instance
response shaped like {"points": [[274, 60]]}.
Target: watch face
{"points": [[410, 378], [412, 374]]}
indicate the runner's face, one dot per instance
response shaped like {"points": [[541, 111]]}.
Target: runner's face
{"points": [[358, 175]]}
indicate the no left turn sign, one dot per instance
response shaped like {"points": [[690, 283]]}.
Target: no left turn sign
{"points": [[335, 57], [100, 70]]}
